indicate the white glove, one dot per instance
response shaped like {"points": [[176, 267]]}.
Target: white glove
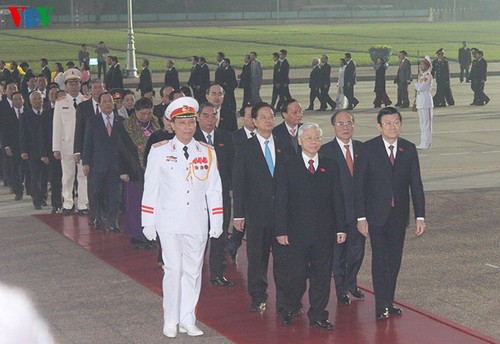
{"points": [[215, 233], [149, 232]]}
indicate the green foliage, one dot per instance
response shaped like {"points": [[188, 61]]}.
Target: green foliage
{"points": [[303, 42]]}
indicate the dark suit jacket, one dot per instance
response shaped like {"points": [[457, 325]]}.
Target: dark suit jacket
{"points": [[99, 149], [24, 83], [275, 72], [145, 81], [194, 77], [315, 79], [172, 78], [481, 69], [326, 71], [31, 135], [228, 119], [10, 127], [47, 128], [331, 150], [350, 73], [376, 182], [47, 73], [227, 79], [404, 73], [246, 77], [128, 156], [116, 80], [108, 78], [6, 76], [84, 111], [282, 132], [309, 206], [224, 148], [204, 79], [239, 137], [464, 56], [218, 74], [283, 72], [254, 188]]}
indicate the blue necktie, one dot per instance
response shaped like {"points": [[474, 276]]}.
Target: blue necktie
{"points": [[209, 140], [269, 158]]}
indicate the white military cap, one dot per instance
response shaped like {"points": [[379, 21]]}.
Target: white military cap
{"points": [[184, 106], [72, 74]]}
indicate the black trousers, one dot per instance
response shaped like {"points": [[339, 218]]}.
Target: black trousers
{"points": [[284, 95], [18, 172], [274, 97], [260, 241], [217, 257], [479, 96], [106, 189], [464, 71], [387, 252], [325, 97], [55, 172], [235, 240], [229, 100], [349, 94], [39, 180], [313, 94], [347, 260], [443, 94], [403, 99], [247, 97], [310, 260], [101, 66]]}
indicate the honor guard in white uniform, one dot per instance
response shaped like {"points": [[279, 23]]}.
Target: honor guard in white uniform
{"points": [[63, 139], [182, 196], [424, 103]]}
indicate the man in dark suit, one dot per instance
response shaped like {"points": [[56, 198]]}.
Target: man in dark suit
{"points": [[315, 83], [145, 81], [464, 60], [222, 141], [283, 79], [246, 82], [350, 81], [100, 160], [171, 76], [45, 69], [33, 149], [347, 257], [28, 74], [229, 83], [109, 75], [441, 73], [194, 77], [226, 118], [288, 129], [274, 97], [159, 109], [478, 79], [383, 177], [218, 69], [247, 131], [5, 74], [309, 217], [403, 79], [326, 70], [116, 74], [30, 87], [254, 186], [203, 80], [5, 113]]}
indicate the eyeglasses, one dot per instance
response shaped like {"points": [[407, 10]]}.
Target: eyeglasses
{"points": [[310, 139], [389, 124], [344, 124]]}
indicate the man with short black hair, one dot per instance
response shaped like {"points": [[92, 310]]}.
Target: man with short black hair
{"points": [[45, 69], [171, 76], [145, 81]]}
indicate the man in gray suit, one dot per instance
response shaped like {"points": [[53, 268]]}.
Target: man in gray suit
{"points": [[256, 72], [403, 79]]}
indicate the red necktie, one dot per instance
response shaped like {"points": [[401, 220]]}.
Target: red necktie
{"points": [[391, 159], [252, 133], [97, 110], [348, 160], [108, 125], [311, 166]]}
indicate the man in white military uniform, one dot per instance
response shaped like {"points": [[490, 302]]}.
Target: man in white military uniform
{"points": [[63, 142], [182, 193], [424, 103]]}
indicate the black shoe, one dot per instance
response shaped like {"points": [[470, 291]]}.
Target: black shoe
{"points": [[393, 310], [221, 282], [353, 106], [297, 312], [382, 314], [310, 108], [286, 318], [233, 254], [358, 294], [113, 229], [18, 197], [258, 307], [97, 223], [486, 101], [136, 243], [344, 300], [55, 210], [322, 324], [38, 207], [83, 211], [67, 211]]}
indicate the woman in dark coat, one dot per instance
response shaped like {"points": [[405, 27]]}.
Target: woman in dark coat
{"points": [[381, 96]]}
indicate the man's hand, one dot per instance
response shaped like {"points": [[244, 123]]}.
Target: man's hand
{"points": [[45, 160], [341, 237], [24, 156], [77, 157], [149, 232], [420, 227], [239, 225], [363, 228], [8, 151], [125, 177], [215, 233], [57, 155], [283, 239], [86, 170]]}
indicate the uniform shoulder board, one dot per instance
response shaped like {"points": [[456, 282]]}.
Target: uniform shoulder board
{"points": [[206, 144], [161, 143]]}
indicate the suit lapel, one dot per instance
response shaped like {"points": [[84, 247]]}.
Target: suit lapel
{"points": [[257, 151]]}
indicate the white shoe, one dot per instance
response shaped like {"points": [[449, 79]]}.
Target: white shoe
{"points": [[170, 331], [191, 330]]}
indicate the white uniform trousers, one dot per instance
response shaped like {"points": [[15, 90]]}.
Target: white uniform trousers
{"points": [[425, 115], [69, 169], [183, 258]]}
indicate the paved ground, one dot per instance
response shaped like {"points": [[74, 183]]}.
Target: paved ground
{"points": [[453, 270]]}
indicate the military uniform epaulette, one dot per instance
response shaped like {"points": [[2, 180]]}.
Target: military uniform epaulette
{"points": [[161, 143], [206, 144]]}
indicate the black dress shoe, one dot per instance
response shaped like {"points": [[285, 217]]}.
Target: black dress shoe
{"points": [[221, 282], [38, 207], [97, 223], [44, 203], [83, 211], [114, 229], [258, 307], [486, 101], [382, 314], [18, 197], [297, 312], [286, 318], [358, 294], [322, 324], [66, 211], [55, 210], [393, 310], [344, 300]]}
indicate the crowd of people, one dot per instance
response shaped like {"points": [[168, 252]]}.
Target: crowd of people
{"points": [[178, 169]]}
